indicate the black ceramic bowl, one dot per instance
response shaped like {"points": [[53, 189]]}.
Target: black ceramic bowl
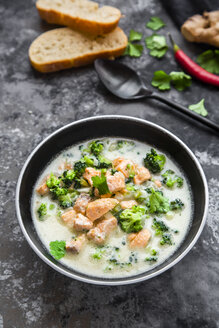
{"points": [[111, 126]]}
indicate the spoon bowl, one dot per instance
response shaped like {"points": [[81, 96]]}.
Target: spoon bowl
{"points": [[120, 79]]}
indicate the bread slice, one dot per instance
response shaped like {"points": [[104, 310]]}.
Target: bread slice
{"points": [[64, 48], [81, 15]]}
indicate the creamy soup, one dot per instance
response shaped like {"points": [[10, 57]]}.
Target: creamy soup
{"points": [[111, 207]]}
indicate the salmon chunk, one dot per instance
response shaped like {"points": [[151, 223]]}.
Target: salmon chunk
{"points": [[125, 166], [89, 173], [81, 223], [128, 204], [115, 182], [158, 183], [139, 239], [81, 203], [103, 229], [68, 218], [99, 207], [142, 175], [76, 244], [42, 188]]}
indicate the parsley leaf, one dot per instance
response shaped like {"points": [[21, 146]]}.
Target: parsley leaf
{"points": [[180, 80], [135, 36], [157, 45], [209, 60], [155, 23], [132, 49], [161, 80], [101, 184], [57, 249], [199, 108]]}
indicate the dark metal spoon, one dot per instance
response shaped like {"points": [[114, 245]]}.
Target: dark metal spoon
{"points": [[125, 83]]}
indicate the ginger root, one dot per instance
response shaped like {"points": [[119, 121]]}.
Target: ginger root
{"points": [[203, 29]]}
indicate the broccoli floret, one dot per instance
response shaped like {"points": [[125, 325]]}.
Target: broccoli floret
{"points": [[96, 147], [166, 239], [103, 163], [52, 182], [159, 226], [158, 203], [131, 219], [65, 201], [154, 162], [42, 211], [89, 161], [79, 168], [176, 204], [59, 191], [68, 177], [169, 179]]}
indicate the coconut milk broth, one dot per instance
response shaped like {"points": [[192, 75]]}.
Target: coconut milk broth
{"points": [[52, 228]]}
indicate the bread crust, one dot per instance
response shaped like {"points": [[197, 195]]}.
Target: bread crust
{"points": [[86, 59], [53, 16]]}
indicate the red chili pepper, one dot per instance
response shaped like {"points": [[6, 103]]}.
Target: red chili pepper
{"points": [[192, 68]]}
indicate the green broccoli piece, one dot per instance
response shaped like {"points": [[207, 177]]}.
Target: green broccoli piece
{"points": [[166, 239], [65, 201], [158, 203], [79, 168], [96, 147], [52, 182], [103, 163], [176, 204], [159, 226], [130, 220], [58, 191], [89, 161], [169, 180], [154, 162], [42, 211], [68, 177]]}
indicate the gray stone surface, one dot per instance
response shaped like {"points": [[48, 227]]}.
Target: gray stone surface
{"points": [[31, 107]]}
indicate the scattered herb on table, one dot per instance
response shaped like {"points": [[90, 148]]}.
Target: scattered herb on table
{"points": [[209, 60], [199, 108], [157, 45], [133, 49], [155, 23], [163, 81]]}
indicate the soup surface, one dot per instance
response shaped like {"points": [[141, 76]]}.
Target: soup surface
{"points": [[111, 207]]}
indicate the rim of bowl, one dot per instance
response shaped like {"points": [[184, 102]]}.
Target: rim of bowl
{"points": [[127, 280]]}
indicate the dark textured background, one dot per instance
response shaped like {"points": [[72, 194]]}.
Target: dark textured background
{"points": [[31, 107]]}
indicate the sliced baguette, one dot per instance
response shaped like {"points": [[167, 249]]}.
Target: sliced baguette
{"points": [[81, 15], [64, 48]]}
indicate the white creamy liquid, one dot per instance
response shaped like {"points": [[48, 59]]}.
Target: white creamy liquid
{"points": [[52, 228]]}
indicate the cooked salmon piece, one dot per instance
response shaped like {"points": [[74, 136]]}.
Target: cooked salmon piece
{"points": [[42, 188], [99, 207], [128, 204], [139, 239], [115, 182], [76, 244], [68, 218], [81, 203], [158, 183], [82, 223], [142, 175], [89, 173], [125, 166], [103, 229], [96, 235]]}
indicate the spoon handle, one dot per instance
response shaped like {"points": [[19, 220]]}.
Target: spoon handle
{"points": [[186, 111]]}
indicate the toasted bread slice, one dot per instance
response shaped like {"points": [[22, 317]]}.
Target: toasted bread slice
{"points": [[64, 48], [81, 15]]}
